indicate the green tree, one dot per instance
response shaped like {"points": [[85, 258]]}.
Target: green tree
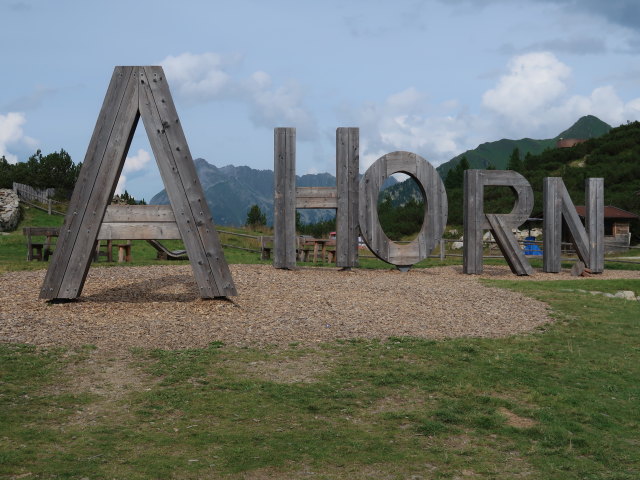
{"points": [[515, 162], [255, 217], [55, 170], [455, 176], [6, 173]]}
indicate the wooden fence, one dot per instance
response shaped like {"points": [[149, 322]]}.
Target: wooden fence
{"points": [[29, 195]]}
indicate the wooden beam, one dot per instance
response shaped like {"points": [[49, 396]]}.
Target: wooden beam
{"points": [[595, 222], [284, 204], [95, 187], [509, 246], [348, 198], [187, 199], [316, 197], [139, 231], [139, 213], [472, 223]]}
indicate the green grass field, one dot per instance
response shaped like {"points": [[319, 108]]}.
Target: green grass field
{"points": [[562, 402]]}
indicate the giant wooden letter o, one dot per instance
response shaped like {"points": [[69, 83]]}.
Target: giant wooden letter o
{"points": [[435, 215]]}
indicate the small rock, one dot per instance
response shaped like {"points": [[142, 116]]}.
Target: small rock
{"points": [[628, 295]]}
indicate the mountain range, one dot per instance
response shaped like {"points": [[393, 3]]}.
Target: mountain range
{"points": [[230, 191]]}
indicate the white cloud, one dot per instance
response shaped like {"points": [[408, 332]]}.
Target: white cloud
{"points": [[532, 99], [199, 78], [132, 164], [405, 121], [534, 81], [278, 106], [12, 135]]}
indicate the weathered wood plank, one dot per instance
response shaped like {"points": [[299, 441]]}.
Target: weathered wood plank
{"points": [[509, 246], [183, 188], [472, 219], [284, 205], [347, 186], [139, 231], [316, 197], [139, 213], [552, 226], [96, 184], [595, 222]]}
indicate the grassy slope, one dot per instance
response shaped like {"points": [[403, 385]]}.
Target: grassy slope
{"points": [[561, 403]]}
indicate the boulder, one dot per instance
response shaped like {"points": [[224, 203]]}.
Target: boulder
{"points": [[9, 210]]}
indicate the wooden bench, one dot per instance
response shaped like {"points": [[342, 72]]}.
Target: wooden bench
{"points": [[37, 250], [266, 245]]}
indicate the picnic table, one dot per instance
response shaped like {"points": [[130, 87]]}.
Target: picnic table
{"points": [[42, 250], [319, 246]]}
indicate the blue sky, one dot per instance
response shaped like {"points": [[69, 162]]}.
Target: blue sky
{"points": [[434, 77]]}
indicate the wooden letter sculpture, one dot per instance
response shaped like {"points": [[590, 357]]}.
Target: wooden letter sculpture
{"points": [[343, 197], [559, 209], [435, 215], [136, 92], [475, 220]]}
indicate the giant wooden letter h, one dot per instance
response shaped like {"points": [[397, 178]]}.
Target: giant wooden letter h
{"points": [[135, 92], [343, 197]]}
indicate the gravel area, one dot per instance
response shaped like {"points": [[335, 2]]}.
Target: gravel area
{"points": [[158, 307]]}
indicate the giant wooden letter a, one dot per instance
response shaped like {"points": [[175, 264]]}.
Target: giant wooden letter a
{"points": [[136, 92]]}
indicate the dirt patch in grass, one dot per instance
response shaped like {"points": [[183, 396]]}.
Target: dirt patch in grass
{"points": [[159, 307], [108, 377], [516, 421], [306, 369], [409, 401]]}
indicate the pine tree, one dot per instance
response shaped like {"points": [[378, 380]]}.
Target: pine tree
{"points": [[255, 217], [515, 162]]}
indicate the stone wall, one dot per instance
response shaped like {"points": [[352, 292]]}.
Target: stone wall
{"points": [[9, 210]]}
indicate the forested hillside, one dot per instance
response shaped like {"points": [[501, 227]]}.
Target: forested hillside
{"points": [[496, 154]]}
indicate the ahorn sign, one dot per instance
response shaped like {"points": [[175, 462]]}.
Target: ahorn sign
{"points": [[142, 91]]}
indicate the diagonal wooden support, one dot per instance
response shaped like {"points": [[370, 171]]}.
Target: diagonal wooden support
{"points": [[183, 187], [135, 92], [509, 246]]}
